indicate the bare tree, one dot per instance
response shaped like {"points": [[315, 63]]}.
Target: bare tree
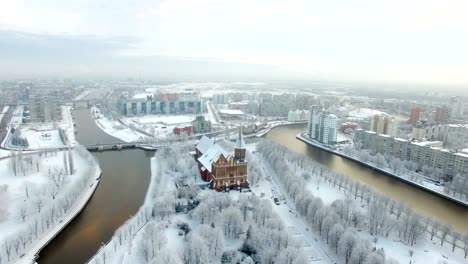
{"points": [[335, 233], [444, 231], [23, 213], [7, 247], [38, 203], [232, 222], [347, 243], [434, 229], [465, 246], [455, 237]]}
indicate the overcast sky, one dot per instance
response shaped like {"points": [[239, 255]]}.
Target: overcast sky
{"points": [[398, 40]]}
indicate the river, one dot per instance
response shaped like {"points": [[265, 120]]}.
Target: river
{"points": [[420, 201], [124, 182]]}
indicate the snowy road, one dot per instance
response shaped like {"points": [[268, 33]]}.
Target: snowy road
{"points": [[294, 224], [211, 114]]}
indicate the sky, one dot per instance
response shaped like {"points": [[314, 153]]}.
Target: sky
{"points": [[400, 40]]}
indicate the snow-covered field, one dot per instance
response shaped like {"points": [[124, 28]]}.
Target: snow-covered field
{"points": [[162, 119], [40, 194], [116, 129]]}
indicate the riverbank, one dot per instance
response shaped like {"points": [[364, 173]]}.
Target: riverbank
{"points": [[309, 142], [31, 256], [41, 193]]}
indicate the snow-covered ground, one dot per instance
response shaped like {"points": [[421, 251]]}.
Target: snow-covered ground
{"points": [[162, 119], [41, 193], [116, 129]]}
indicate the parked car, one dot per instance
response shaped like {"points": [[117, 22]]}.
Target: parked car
{"points": [[276, 200]]}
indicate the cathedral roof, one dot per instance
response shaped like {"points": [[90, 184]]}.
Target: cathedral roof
{"points": [[212, 155], [204, 144]]}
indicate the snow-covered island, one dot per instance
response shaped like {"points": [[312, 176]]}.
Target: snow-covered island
{"points": [[46, 179], [297, 211]]}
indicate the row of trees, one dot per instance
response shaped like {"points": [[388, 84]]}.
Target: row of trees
{"points": [[26, 163], [45, 206], [458, 187], [382, 218]]}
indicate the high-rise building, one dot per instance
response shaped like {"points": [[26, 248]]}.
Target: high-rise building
{"points": [[414, 116], [322, 126], [384, 124], [392, 127], [44, 108], [441, 115], [456, 107]]}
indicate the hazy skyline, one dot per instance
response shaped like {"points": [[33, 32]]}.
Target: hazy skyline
{"points": [[398, 41]]}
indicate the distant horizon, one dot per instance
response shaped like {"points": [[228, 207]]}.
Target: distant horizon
{"points": [[308, 84]]}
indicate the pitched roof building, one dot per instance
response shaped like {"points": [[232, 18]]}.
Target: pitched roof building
{"points": [[222, 169]]}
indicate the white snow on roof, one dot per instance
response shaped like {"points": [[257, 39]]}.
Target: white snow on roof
{"points": [[428, 143], [231, 112], [212, 155], [462, 154], [141, 96], [365, 113], [204, 144]]}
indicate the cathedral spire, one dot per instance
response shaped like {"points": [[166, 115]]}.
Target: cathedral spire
{"points": [[240, 144]]}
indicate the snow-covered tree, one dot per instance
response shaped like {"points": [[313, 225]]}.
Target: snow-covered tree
{"points": [[232, 222], [195, 251]]}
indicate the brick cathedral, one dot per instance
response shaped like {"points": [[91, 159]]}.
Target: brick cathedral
{"points": [[222, 169]]}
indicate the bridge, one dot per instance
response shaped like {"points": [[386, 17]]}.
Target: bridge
{"points": [[122, 146]]}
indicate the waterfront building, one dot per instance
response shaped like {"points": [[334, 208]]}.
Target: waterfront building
{"points": [[428, 131], [322, 126], [423, 153], [298, 115], [384, 124], [162, 103], [223, 170]]}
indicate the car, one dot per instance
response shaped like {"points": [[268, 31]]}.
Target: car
{"points": [[276, 200]]}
